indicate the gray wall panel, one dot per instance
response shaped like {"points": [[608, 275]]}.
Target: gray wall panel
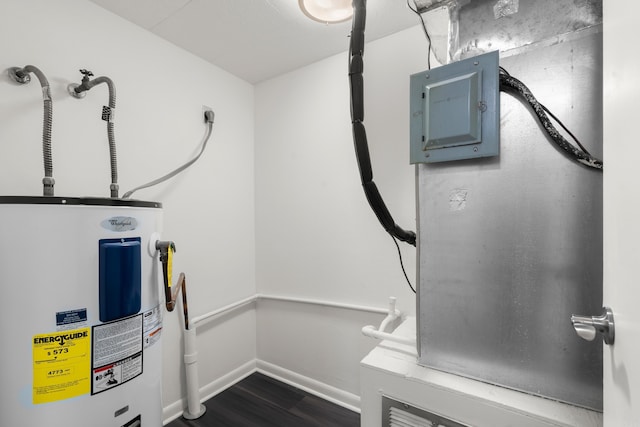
{"points": [[510, 247]]}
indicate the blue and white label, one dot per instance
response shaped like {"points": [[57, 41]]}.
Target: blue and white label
{"points": [[71, 319], [120, 223]]}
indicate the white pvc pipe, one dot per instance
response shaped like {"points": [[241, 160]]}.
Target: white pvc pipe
{"points": [[393, 315], [379, 333], [194, 408], [372, 332]]}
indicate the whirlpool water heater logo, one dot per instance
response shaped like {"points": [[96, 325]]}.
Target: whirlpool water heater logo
{"points": [[120, 223]]}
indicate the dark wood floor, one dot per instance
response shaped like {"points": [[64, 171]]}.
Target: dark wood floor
{"points": [[261, 401]]}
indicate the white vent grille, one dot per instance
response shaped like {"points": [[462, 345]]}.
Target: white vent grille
{"points": [[399, 414], [400, 418]]}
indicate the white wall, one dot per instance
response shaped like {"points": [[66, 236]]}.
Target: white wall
{"points": [[316, 236], [621, 227], [208, 210]]}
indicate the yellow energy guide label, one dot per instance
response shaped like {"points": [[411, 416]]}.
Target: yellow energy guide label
{"points": [[61, 365]]}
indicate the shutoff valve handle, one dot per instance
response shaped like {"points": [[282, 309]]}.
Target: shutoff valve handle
{"points": [[166, 249]]}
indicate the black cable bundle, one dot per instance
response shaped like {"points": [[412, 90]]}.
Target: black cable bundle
{"points": [[356, 51], [514, 86]]}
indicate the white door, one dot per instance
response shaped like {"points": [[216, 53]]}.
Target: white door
{"points": [[622, 210]]}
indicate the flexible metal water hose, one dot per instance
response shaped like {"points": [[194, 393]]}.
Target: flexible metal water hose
{"points": [[356, 52], [22, 77], [111, 136], [108, 116]]}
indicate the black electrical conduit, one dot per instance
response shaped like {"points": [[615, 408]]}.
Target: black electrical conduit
{"points": [[21, 75], [514, 86], [356, 51]]}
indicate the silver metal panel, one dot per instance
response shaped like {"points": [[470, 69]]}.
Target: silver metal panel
{"points": [[487, 25], [511, 246]]}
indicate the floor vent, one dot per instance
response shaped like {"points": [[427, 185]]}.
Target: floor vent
{"points": [[399, 414]]}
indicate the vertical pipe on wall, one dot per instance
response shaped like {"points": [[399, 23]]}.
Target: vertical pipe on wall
{"points": [[194, 408], [393, 315]]}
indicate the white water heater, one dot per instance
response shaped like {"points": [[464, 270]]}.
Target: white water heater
{"points": [[82, 315]]}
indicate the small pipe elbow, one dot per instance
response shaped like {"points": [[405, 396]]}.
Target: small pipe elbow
{"points": [[87, 84], [106, 80]]}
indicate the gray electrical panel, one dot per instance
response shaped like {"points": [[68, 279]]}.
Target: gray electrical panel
{"points": [[455, 111]]}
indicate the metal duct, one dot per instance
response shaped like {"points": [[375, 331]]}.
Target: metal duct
{"points": [[423, 6], [481, 26], [510, 247]]}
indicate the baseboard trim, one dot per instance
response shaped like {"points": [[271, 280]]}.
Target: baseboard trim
{"points": [[175, 410], [325, 391]]}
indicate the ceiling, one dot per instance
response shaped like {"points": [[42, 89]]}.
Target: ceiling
{"points": [[255, 39]]}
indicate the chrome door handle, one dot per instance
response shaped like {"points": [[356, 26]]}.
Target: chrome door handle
{"points": [[587, 327]]}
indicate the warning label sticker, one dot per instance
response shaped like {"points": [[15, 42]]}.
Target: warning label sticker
{"points": [[112, 375], [152, 326], [117, 353], [61, 365]]}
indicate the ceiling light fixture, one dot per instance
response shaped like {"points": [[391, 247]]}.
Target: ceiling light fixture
{"points": [[327, 11]]}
